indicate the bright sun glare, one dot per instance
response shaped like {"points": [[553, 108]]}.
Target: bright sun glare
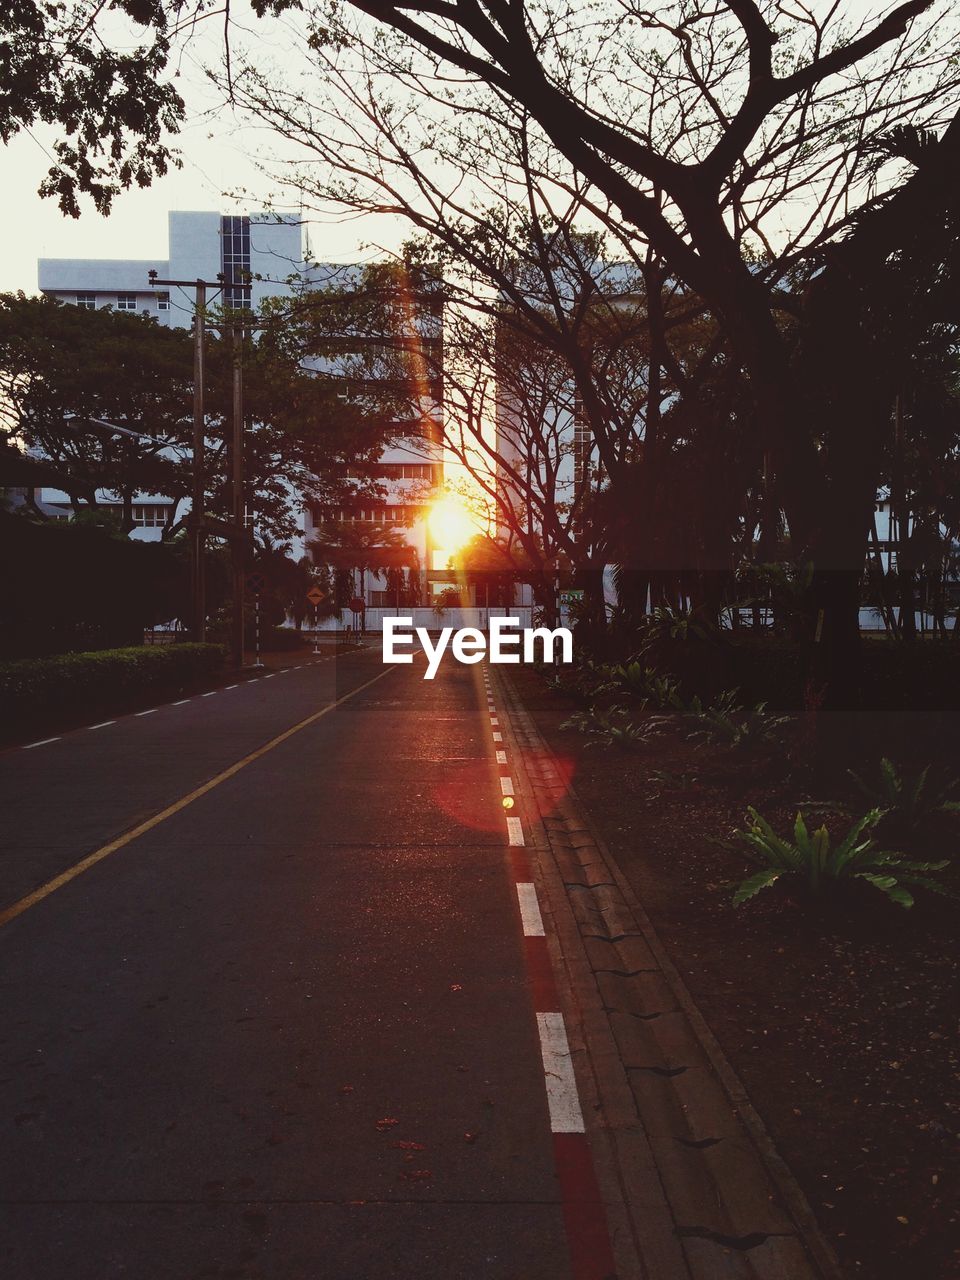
{"points": [[450, 524]]}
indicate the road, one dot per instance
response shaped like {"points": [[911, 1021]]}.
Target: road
{"points": [[268, 1010]]}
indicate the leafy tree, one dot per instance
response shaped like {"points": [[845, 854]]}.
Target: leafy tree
{"points": [[102, 76], [97, 73], [354, 545], [65, 372]]}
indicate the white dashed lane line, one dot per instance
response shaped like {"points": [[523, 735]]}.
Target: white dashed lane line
{"points": [[506, 786], [497, 737], [42, 743], [530, 911], [151, 712], [182, 703], [501, 757], [102, 725], [515, 831], [562, 1098]]}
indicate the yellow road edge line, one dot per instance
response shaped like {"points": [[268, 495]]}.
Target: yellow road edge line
{"points": [[92, 859]]}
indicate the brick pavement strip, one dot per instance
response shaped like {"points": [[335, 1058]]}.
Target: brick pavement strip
{"points": [[695, 1188]]}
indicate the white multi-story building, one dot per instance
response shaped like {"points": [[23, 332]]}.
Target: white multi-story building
{"points": [[256, 257], [409, 473], [259, 256]]}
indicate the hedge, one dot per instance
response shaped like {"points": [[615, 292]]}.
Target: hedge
{"points": [[923, 676], [78, 681]]}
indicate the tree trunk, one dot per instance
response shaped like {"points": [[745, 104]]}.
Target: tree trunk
{"points": [[836, 647], [126, 511]]}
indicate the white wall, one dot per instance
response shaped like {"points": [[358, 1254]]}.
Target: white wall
{"points": [[428, 618]]}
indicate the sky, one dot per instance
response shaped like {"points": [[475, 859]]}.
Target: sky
{"points": [[216, 159], [32, 228]]}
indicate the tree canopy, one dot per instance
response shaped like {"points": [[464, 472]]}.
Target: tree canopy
{"points": [[69, 377]]}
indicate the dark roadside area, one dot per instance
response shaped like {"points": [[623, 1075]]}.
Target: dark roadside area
{"points": [[45, 721], [841, 1024]]}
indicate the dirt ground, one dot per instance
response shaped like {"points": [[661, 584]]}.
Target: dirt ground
{"points": [[842, 1024]]}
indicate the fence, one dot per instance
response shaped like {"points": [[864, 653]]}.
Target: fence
{"points": [[429, 619]]}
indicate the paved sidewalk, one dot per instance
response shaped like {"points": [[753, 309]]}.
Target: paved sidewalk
{"points": [[694, 1186]]}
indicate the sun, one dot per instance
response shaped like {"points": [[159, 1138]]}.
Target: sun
{"points": [[450, 524]]}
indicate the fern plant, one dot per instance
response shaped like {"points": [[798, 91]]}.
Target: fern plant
{"points": [[824, 867], [612, 727], [644, 682], [725, 721], [586, 679], [665, 623], [909, 800]]}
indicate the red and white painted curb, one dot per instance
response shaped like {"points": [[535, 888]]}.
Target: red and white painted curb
{"points": [[584, 1216]]}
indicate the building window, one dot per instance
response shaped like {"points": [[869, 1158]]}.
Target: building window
{"points": [[150, 516], [387, 514], [395, 471], [87, 301], [126, 302], [235, 261], [163, 302]]}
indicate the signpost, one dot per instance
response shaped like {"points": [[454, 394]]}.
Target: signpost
{"points": [[316, 598], [256, 582]]}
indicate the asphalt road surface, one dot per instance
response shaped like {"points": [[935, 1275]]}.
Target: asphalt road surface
{"points": [[286, 1030]]}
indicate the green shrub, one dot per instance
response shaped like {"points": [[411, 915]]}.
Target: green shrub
{"points": [[73, 682], [826, 868], [909, 800], [282, 640]]}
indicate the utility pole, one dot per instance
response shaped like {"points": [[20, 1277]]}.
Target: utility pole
{"points": [[195, 524], [236, 487], [199, 525], [199, 424]]}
